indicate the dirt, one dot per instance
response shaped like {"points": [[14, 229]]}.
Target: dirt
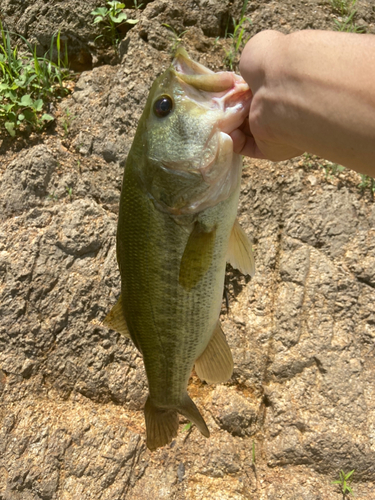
{"points": [[300, 406]]}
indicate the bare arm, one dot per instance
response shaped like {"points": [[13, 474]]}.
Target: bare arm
{"points": [[313, 91]]}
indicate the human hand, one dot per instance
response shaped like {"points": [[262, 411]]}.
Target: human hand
{"points": [[261, 135]]}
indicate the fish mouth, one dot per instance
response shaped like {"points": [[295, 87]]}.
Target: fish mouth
{"points": [[224, 90]]}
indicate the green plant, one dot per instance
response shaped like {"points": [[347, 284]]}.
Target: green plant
{"points": [[237, 37], [348, 25], [67, 121], [112, 17], [175, 38], [28, 83], [346, 9], [52, 197], [187, 427], [345, 481], [69, 190], [343, 7], [137, 5], [367, 182], [332, 169], [308, 160], [253, 453]]}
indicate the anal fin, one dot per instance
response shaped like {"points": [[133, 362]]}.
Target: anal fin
{"points": [[215, 365], [240, 254], [115, 319]]}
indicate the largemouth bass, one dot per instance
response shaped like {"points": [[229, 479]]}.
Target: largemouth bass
{"points": [[177, 229]]}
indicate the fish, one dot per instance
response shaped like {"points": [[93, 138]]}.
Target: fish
{"points": [[177, 228]]}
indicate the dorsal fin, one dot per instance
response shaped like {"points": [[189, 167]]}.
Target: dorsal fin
{"points": [[240, 254]]}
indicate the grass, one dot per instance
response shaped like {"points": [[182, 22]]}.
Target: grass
{"points": [[137, 5], [344, 482], [52, 196], [67, 121], [238, 37], [176, 38], [343, 7], [346, 9], [367, 182], [28, 83], [111, 17], [69, 190], [187, 427], [348, 25], [332, 169]]}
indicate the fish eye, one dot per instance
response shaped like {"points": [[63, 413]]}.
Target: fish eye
{"points": [[163, 106]]}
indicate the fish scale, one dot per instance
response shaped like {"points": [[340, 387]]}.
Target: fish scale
{"points": [[165, 304]]}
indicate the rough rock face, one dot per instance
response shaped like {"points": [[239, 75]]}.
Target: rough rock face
{"points": [[302, 398]]}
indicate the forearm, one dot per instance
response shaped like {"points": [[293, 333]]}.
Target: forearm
{"points": [[317, 95]]}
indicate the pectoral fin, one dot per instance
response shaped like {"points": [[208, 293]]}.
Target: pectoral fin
{"points": [[197, 256], [115, 319], [215, 365], [240, 254]]}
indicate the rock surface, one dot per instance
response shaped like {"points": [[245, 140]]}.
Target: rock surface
{"points": [[301, 401]]}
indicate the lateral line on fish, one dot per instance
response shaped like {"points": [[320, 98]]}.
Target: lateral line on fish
{"points": [[151, 308]]}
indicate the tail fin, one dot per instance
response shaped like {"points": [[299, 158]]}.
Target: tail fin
{"points": [[161, 425], [190, 411]]}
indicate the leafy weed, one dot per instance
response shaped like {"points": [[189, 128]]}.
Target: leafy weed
{"points": [[332, 169], [28, 83], [112, 17], [367, 182]]}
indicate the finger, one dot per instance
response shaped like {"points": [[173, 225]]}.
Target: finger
{"points": [[257, 55], [245, 127], [245, 145]]}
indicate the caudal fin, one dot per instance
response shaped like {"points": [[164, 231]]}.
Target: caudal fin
{"points": [[190, 411], [161, 425]]}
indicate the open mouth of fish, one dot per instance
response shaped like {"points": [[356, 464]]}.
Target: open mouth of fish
{"points": [[226, 90], [229, 95]]}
